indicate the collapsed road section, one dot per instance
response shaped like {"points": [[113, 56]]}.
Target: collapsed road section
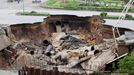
{"points": [[66, 42]]}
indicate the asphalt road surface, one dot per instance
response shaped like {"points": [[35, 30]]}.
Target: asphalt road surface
{"points": [[9, 9]]}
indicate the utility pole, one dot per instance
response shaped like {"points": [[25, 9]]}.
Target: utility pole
{"points": [[23, 7]]}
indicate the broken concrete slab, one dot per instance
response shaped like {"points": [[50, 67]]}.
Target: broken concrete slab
{"points": [[4, 40]]}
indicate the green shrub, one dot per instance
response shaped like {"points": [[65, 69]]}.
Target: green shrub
{"points": [[126, 65], [103, 14], [127, 16], [33, 12]]}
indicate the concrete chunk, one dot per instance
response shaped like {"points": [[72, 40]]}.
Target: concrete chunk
{"points": [[4, 40]]}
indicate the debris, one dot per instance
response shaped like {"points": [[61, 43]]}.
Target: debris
{"points": [[4, 40], [67, 42], [97, 62], [23, 59], [49, 50]]}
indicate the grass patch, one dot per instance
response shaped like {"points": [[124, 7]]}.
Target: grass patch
{"points": [[126, 65], [75, 5], [106, 16], [52, 4], [33, 13], [69, 4]]}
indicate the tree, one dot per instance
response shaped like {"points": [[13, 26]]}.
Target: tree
{"points": [[128, 16]]}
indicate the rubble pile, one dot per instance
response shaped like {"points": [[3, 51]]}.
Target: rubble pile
{"points": [[71, 43], [67, 52]]}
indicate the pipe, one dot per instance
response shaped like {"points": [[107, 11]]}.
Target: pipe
{"points": [[73, 63], [128, 42], [48, 50], [123, 37], [63, 55], [46, 43]]}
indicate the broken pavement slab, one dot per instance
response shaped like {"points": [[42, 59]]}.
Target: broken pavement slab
{"points": [[4, 40], [98, 62]]}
